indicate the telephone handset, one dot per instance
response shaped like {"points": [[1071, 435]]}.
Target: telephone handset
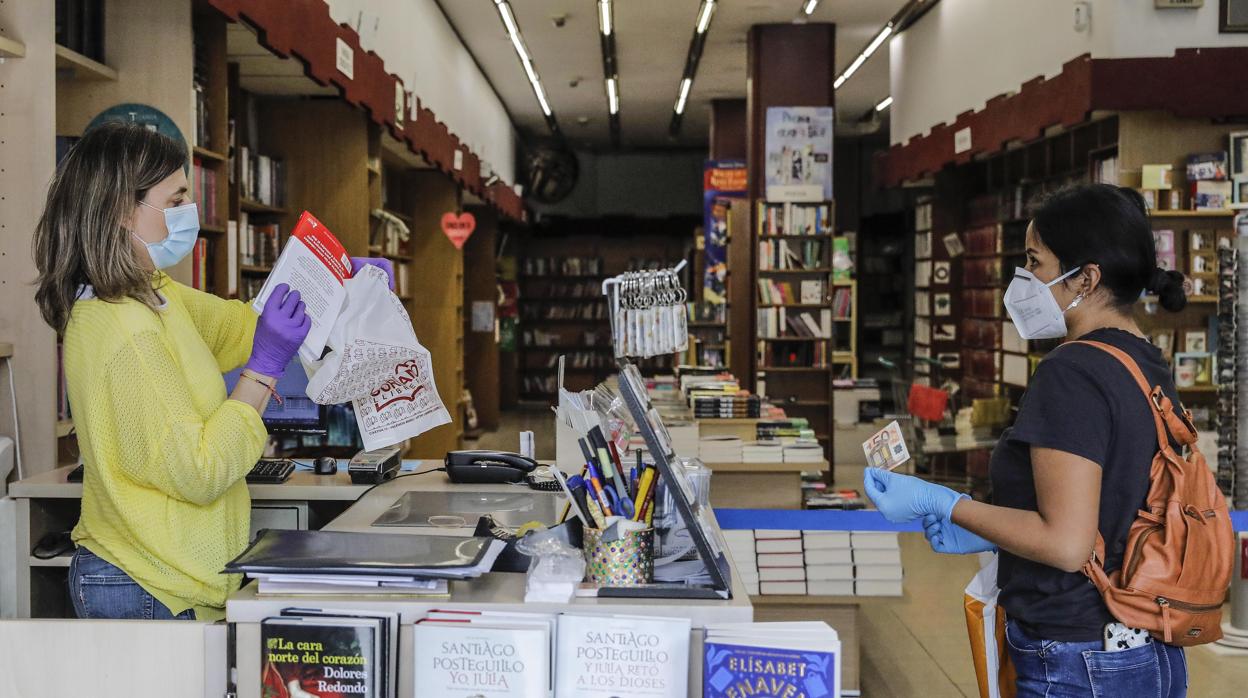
{"points": [[485, 467]]}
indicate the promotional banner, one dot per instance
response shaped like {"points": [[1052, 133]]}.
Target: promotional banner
{"points": [[722, 181], [799, 154]]}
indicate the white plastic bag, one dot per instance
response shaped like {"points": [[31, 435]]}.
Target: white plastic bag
{"points": [[376, 363], [985, 626]]}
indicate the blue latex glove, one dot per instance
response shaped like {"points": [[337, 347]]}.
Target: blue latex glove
{"points": [[947, 537], [280, 330], [902, 498], [380, 262]]}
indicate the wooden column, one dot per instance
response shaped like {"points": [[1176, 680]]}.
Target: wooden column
{"points": [[787, 65], [728, 137], [437, 284], [27, 155], [481, 348]]}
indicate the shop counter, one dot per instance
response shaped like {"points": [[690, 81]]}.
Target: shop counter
{"points": [[498, 591], [48, 502]]}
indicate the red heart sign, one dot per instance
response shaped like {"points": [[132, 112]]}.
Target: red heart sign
{"points": [[458, 227]]}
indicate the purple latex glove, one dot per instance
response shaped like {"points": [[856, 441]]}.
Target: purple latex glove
{"points": [[280, 330], [380, 262]]}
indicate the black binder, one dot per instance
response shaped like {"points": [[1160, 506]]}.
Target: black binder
{"points": [[332, 552]]}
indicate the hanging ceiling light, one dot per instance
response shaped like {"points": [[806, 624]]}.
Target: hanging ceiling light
{"points": [[884, 103], [809, 8], [701, 25], [517, 42]]}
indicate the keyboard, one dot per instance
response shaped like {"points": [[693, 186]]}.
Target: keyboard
{"points": [[271, 471]]}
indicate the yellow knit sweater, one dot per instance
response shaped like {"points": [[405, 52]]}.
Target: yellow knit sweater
{"points": [[163, 495]]}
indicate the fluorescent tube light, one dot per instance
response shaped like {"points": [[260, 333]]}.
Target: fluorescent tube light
{"points": [[613, 96], [862, 57], [704, 16], [517, 42], [884, 103], [684, 95], [604, 16], [809, 9]]}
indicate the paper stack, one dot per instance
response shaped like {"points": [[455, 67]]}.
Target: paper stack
{"points": [[362, 563], [762, 452], [803, 451], [720, 449]]}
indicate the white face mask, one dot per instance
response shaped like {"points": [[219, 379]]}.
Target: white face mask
{"points": [[1032, 307]]}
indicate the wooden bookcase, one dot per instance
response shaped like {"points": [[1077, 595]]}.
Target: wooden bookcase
{"points": [[793, 369], [604, 248], [985, 205]]}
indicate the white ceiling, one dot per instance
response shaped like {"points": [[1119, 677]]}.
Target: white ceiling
{"points": [[652, 40]]}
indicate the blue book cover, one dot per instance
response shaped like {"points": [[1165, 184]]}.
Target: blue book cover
{"points": [[736, 671]]}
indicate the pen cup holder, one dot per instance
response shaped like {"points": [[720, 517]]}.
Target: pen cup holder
{"points": [[626, 562]]}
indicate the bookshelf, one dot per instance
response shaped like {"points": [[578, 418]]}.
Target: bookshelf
{"points": [[805, 316], [562, 309], [981, 207]]}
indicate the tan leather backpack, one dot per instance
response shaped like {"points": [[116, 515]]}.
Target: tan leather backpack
{"points": [[1180, 550]]}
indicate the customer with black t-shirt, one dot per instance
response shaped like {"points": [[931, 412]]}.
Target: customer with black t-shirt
{"points": [[1076, 460]]}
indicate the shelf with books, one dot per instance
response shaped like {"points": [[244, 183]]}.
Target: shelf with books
{"points": [[252, 206]]}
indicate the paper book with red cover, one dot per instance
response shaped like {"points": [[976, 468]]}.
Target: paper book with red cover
{"points": [[316, 264]]}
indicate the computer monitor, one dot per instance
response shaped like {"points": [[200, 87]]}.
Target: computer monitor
{"points": [[297, 414]]}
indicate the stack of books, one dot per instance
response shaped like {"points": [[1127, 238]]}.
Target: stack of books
{"points": [[787, 431], [741, 548], [329, 652], [829, 563], [720, 449], [320, 562], [486, 653], [834, 499], [781, 569], [817, 563], [803, 451], [877, 563], [726, 407], [762, 452], [801, 658]]}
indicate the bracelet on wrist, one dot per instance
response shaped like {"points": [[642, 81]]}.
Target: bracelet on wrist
{"points": [[255, 378]]}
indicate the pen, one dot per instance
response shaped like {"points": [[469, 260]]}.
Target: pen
{"points": [[632, 483], [613, 474], [577, 484], [596, 487], [589, 456], [643, 491]]}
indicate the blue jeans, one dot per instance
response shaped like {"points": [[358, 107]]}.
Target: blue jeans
{"points": [[1055, 669], [101, 590]]}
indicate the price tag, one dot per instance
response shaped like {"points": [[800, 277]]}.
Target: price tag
{"points": [[887, 448]]}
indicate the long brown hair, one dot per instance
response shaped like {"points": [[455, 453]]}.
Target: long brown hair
{"points": [[81, 237]]}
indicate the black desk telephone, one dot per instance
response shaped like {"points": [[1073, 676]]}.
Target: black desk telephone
{"points": [[485, 467]]}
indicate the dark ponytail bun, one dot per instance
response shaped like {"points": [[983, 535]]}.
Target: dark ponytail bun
{"points": [[1168, 285]]}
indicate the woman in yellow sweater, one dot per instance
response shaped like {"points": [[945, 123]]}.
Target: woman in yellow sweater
{"points": [[164, 503]]}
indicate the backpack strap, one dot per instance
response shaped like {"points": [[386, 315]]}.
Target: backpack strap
{"points": [[1153, 394]]}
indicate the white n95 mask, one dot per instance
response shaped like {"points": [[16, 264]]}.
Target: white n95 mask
{"points": [[1032, 307]]}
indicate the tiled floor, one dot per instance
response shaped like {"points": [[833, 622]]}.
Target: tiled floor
{"points": [[915, 645]]}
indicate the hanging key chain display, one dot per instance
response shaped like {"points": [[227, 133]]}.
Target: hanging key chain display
{"points": [[647, 313]]}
